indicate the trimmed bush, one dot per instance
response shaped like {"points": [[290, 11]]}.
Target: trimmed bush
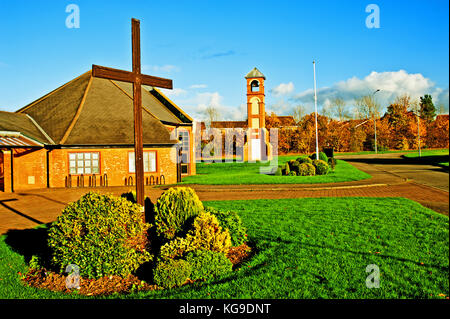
{"points": [[294, 166], [176, 248], [208, 264], [293, 173], [322, 156], [232, 221], [174, 210], [171, 273], [102, 234], [304, 159], [321, 167], [207, 234], [307, 169]]}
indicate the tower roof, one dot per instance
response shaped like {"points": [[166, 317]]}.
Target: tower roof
{"points": [[255, 73]]}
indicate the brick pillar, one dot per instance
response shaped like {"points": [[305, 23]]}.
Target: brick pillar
{"points": [[7, 178]]}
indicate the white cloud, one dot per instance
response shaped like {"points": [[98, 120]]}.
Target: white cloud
{"points": [[174, 92], [283, 89], [198, 86], [390, 84], [167, 68]]}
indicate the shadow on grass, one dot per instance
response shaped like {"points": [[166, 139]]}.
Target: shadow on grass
{"points": [[30, 242]]}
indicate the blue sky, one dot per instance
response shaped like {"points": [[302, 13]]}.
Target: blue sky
{"points": [[207, 47]]}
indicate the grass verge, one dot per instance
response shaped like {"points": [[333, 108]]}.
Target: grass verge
{"points": [[249, 173], [310, 248]]}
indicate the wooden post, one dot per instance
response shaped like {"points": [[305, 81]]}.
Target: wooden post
{"points": [[138, 79]]}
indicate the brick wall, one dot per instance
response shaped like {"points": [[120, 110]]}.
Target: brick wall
{"points": [[30, 168], [113, 163]]}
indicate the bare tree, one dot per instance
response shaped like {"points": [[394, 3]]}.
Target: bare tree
{"points": [[299, 113], [212, 114], [339, 109], [368, 107]]}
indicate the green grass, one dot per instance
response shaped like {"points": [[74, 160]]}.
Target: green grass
{"points": [[311, 248], [249, 173], [433, 157]]}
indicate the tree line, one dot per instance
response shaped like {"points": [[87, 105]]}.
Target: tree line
{"points": [[398, 128]]}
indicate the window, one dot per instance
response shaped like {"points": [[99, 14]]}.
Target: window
{"points": [[84, 163], [183, 137], [254, 106], [149, 162]]}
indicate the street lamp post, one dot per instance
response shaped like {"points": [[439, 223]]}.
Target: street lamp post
{"points": [[315, 109], [375, 122]]}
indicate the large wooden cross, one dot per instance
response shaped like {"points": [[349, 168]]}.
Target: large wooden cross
{"points": [[138, 79]]}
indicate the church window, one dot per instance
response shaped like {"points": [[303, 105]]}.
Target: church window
{"points": [[149, 162], [84, 163]]}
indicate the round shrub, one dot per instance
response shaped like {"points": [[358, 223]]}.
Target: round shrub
{"points": [[321, 167], [307, 169], [232, 221], [174, 210], [322, 156], [171, 273], [207, 234], [294, 166], [102, 234], [293, 173], [208, 264], [305, 159]]}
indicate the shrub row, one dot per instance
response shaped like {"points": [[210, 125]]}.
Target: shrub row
{"points": [[306, 166]]}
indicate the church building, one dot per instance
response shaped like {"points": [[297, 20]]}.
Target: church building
{"points": [[81, 135]]}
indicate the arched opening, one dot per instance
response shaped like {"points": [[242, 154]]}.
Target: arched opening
{"points": [[254, 85]]}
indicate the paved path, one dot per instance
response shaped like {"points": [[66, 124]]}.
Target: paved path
{"points": [[395, 165], [29, 208]]}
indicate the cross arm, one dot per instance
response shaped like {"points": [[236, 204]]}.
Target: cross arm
{"points": [[126, 76], [112, 74]]}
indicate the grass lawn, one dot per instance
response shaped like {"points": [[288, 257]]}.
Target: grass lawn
{"points": [[433, 157], [249, 173], [311, 248]]}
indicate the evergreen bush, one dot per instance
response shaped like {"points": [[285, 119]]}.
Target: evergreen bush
{"points": [[174, 210], [102, 234], [207, 234], [208, 264], [321, 167], [171, 273], [232, 221], [304, 159], [307, 169]]}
